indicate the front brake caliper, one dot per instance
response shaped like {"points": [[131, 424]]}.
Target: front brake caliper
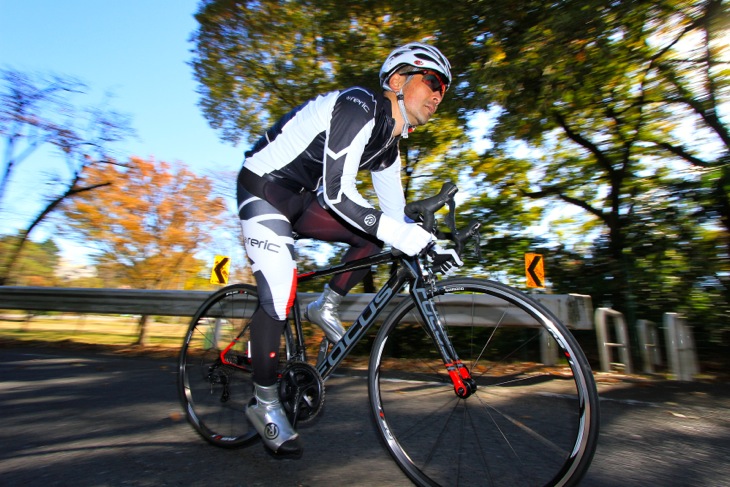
{"points": [[464, 385]]}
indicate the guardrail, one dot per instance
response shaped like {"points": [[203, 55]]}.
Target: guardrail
{"points": [[574, 310], [103, 301]]}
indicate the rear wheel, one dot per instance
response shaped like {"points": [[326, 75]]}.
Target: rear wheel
{"points": [[215, 387], [533, 419]]}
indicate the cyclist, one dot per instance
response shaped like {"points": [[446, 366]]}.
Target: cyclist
{"points": [[301, 177]]}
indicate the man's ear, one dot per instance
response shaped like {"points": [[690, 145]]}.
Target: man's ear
{"points": [[396, 81]]}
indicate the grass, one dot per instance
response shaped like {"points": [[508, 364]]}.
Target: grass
{"points": [[112, 333], [92, 330]]}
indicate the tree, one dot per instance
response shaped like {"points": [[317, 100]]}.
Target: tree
{"points": [[255, 61], [621, 104], [605, 106], [36, 265], [146, 222], [229, 233], [601, 91], [37, 113]]}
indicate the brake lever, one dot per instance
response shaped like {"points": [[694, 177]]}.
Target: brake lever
{"points": [[471, 231]]}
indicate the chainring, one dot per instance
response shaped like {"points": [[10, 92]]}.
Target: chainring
{"points": [[301, 391]]}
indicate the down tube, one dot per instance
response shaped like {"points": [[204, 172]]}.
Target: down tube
{"points": [[361, 325]]}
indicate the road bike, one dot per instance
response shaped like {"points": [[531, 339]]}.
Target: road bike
{"points": [[457, 391]]}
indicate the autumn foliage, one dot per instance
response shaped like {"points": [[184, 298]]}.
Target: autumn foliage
{"points": [[148, 223]]}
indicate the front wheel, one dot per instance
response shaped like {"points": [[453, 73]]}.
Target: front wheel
{"points": [[532, 421]]}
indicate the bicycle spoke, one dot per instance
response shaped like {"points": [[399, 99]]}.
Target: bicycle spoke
{"points": [[524, 423], [215, 390]]}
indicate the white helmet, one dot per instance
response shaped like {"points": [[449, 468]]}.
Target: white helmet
{"points": [[418, 55]]}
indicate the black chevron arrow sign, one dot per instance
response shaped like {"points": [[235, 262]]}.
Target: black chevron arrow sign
{"points": [[535, 270]]}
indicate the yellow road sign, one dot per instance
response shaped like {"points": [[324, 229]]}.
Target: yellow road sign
{"points": [[535, 270], [220, 272]]}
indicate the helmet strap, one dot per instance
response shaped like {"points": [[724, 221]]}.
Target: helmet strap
{"points": [[402, 106], [407, 128]]}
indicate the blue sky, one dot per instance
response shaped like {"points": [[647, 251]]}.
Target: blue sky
{"points": [[136, 50]]}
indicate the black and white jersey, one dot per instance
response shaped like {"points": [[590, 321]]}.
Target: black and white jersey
{"points": [[322, 144]]}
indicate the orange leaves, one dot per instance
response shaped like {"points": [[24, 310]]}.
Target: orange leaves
{"points": [[150, 221]]}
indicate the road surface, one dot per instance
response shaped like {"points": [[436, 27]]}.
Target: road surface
{"points": [[85, 418]]}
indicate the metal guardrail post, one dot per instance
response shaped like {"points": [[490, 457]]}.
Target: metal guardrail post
{"points": [[574, 310], [622, 339], [649, 343], [681, 352], [548, 348]]}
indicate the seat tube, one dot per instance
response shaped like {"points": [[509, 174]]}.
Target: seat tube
{"points": [[293, 333]]}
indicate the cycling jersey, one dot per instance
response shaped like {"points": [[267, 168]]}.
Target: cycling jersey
{"points": [[322, 144]]}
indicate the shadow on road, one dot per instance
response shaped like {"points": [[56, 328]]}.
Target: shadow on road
{"points": [[90, 417]]}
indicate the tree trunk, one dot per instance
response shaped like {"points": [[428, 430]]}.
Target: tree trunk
{"points": [[14, 254], [142, 331]]}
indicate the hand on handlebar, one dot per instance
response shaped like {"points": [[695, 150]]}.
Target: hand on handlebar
{"points": [[444, 260], [409, 238]]}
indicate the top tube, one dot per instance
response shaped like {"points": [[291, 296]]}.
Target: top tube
{"points": [[379, 258]]}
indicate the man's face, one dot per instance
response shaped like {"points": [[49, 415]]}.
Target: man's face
{"points": [[422, 95]]}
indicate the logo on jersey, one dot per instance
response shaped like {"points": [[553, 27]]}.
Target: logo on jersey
{"points": [[263, 244], [358, 101], [370, 220]]}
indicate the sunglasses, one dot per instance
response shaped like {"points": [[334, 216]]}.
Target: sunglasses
{"points": [[433, 80]]}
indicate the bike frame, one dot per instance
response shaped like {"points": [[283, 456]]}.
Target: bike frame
{"points": [[409, 272]]}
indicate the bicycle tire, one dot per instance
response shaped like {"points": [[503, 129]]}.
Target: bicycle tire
{"points": [[528, 423], [214, 396]]}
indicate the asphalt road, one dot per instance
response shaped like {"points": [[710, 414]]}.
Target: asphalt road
{"points": [[94, 419]]}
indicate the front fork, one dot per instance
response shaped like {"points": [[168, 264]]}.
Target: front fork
{"points": [[464, 384]]}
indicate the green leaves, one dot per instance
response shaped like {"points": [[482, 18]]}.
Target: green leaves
{"points": [[609, 108]]}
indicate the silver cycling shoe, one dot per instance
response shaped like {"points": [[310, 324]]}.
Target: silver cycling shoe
{"points": [[266, 414], [324, 312]]}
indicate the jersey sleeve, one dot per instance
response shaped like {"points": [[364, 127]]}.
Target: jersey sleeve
{"points": [[389, 188]]}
